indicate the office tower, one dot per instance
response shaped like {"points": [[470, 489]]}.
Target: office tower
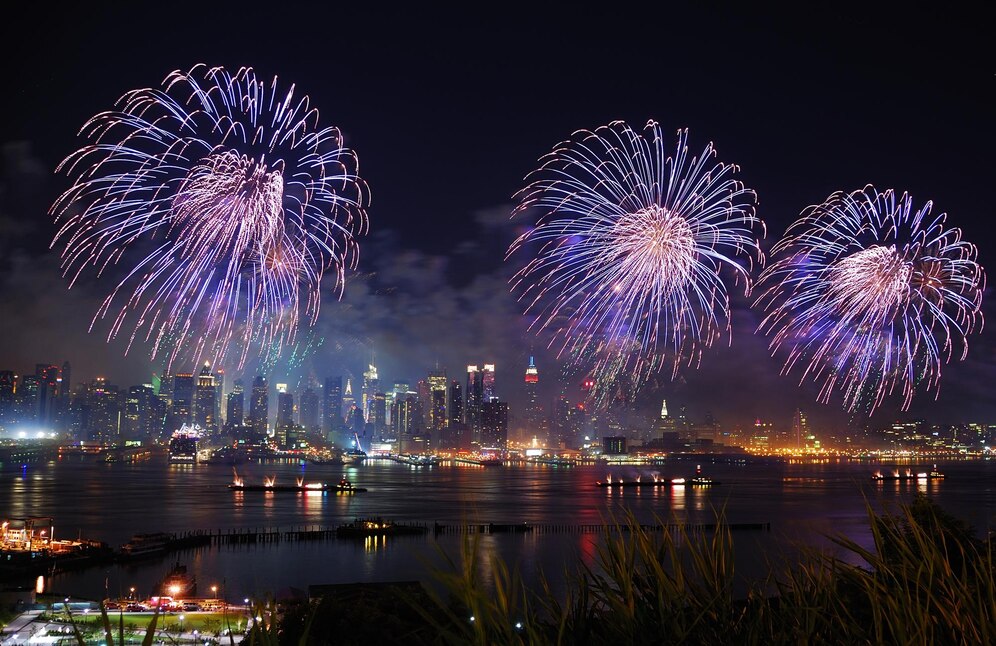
{"points": [[534, 412], [183, 398], [456, 403], [400, 388], [104, 411], [332, 423], [309, 413], [235, 408], [26, 399], [424, 393], [48, 391], [139, 422], [348, 402], [475, 397], [437, 400], [488, 383], [800, 429], [494, 425], [371, 384], [219, 396], [7, 384], [65, 389], [259, 407], [378, 413], [560, 429], [285, 406], [205, 400]]}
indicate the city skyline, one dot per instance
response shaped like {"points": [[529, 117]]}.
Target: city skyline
{"points": [[431, 285]]}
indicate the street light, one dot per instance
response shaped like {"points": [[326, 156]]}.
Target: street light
{"points": [[214, 591]]}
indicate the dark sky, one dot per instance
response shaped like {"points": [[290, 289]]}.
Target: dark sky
{"points": [[448, 109]]}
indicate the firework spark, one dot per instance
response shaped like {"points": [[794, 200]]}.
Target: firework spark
{"points": [[869, 296], [629, 250], [224, 202]]}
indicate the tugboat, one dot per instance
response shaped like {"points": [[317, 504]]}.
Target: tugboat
{"points": [[345, 486]]}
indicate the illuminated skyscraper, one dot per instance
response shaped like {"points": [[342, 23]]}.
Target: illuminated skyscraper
{"points": [[235, 407], [488, 382], [205, 400], [371, 384], [534, 412], [7, 396], [800, 429], [332, 420], [348, 403], [437, 400], [378, 413], [183, 398], [309, 411], [494, 425], [475, 397], [259, 407]]}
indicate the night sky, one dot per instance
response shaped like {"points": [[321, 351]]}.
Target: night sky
{"points": [[448, 110]]}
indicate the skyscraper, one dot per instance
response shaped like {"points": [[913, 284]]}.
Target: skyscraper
{"points": [[48, 392], [235, 407], [456, 403], [800, 429], [494, 424], [475, 397], [534, 412], [371, 384], [139, 412], [285, 406], [309, 411], [183, 398], [205, 400], [378, 413], [332, 423], [259, 407], [7, 396], [26, 399], [488, 382], [437, 400], [348, 402]]}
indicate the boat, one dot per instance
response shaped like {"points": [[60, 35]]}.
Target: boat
{"points": [[227, 455], [418, 460], [178, 583], [142, 545], [933, 474], [270, 484], [183, 444], [367, 527], [698, 480]]}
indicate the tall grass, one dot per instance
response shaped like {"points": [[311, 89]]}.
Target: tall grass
{"points": [[926, 580]]}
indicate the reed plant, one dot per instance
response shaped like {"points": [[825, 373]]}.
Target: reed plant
{"points": [[925, 580]]}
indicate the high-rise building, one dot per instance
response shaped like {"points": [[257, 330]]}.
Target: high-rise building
{"points": [[104, 411], [456, 403], [406, 419], [348, 403], [309, 413], [332, 420], [235, 408], [259, 407], [378, 413], [488, 383], [285, 406], [475, 397], [183, 398], [65, 390], [800, 429], [494, 425], [48, 392], [7, 384], [534, 412], [437, 400], [205, 400], [26, 399], [371, 384], [139, 412]]}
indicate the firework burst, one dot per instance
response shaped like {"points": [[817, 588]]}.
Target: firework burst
{"points": [[225, 204], [629, 250], [869, 296]]}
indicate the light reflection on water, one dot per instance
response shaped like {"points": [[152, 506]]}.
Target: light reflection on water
{"points": [[112, 501]]}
